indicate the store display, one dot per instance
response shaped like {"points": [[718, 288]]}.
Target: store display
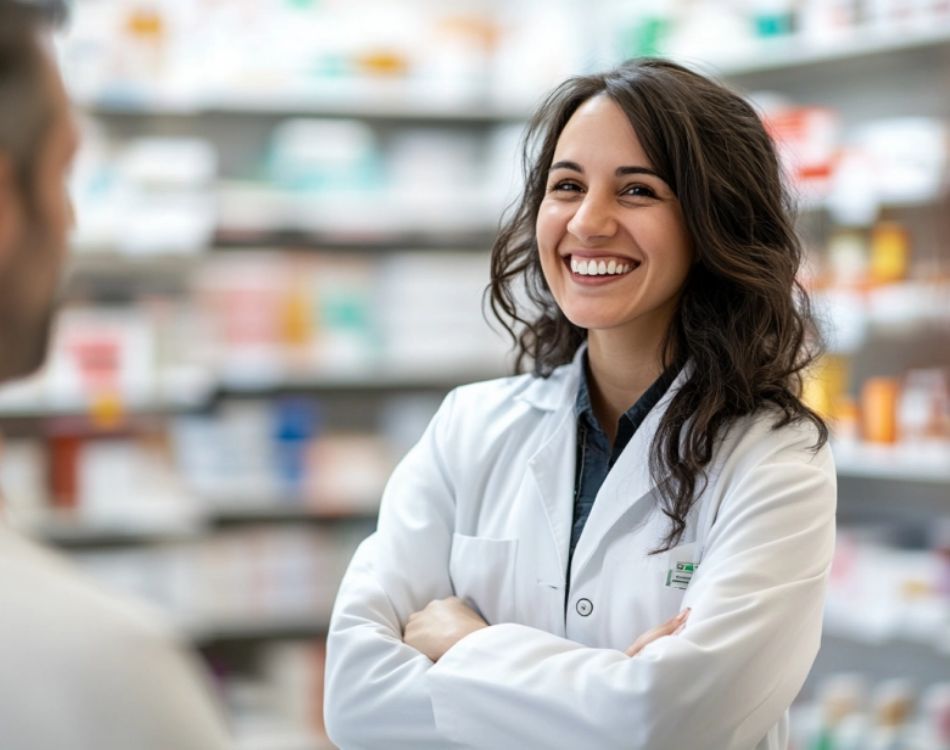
{"points": [[281, 704], [880, 592], [148, 196], [893, 717], [245, 457], [231, 583]]}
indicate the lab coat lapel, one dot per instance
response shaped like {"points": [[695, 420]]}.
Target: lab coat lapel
{"points": [[628, 484], [552, 465], [552, 468]]}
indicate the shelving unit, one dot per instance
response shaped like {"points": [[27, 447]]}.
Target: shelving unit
{"points": [[898, 464], [215, 633], [44, 410], [797, 55], [379, 103], [66, 531], [72, 535]]}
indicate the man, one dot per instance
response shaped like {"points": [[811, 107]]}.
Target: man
{"points": [[78, 669]]}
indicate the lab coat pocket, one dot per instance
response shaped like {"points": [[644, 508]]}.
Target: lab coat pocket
{"points": [[672, 573], [482, 572]]}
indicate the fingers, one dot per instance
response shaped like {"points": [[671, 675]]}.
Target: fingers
{"points": [[673, 625], [435, 608], [670, 627]]}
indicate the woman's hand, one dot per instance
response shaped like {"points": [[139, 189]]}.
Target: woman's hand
{"points": [[442, 624], [670, 627]]}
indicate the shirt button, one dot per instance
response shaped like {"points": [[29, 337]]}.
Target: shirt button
{"points": [[584, 607]]}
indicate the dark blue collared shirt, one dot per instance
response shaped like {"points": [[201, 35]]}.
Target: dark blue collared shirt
{"points": [[595, 456]]}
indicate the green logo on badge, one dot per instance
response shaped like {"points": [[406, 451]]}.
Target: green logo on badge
{"points": [[679, 576]]}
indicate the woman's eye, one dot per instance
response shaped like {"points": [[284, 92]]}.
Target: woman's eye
{"points": [[566, 186], [640, 191]]}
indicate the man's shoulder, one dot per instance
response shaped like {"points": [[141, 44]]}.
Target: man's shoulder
{"points": [[50, 605], [112, 670]]}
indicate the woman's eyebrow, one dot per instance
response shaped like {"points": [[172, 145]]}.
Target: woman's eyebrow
{"points": [[572, 165], [636, 170], [620, 171]]}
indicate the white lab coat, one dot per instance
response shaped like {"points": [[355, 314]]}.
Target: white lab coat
{"points": [[482, 508]]}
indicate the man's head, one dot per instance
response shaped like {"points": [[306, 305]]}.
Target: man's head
{"points": [[38, 139]]}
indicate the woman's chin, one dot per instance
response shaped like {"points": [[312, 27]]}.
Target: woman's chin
{"points": [[594, 321]]}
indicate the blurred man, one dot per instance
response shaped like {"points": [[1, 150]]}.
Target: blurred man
{"points": [[78, 670]]}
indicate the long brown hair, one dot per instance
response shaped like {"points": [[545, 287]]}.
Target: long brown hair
{"points": [[743, 320]]}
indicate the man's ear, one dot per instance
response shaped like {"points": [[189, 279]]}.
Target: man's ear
{"points": [[11, 206]]}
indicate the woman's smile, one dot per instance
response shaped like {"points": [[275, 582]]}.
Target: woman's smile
{"points": [[599, 269]]}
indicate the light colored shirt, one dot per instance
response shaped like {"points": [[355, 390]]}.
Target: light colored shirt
{"points": [[81, 670]]}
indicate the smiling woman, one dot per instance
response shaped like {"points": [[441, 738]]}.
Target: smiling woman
{"points": [[699, 201], [606, 206], [627, 547]]}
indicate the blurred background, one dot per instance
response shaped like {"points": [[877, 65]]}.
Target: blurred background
{"points": [[285, 210]]}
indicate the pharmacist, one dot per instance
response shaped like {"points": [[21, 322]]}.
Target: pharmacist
{"points": [[627, 548]]}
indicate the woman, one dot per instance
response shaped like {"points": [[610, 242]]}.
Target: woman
{"points": [[656, 476]]}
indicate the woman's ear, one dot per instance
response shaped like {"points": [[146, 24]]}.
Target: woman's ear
{"points": [[11, 207]]}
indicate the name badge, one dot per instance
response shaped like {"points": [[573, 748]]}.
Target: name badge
{"points": [[679, 576]]}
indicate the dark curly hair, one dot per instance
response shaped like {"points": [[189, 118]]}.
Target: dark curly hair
{"points": [[743, 319]]}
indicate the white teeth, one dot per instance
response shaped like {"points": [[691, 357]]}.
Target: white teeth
{"points": [[599, 267]]}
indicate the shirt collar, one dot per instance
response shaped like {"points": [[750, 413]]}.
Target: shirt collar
{"points": [[582, 405]]}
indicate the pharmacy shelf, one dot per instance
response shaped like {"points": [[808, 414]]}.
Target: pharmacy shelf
{"points": [[123, 278], [357, 239], [94, 262], [101, 261], [291, 512], [77, 535], [262, 382], [175, 392], [382, 103], [162, 268], [808, 205], [255, 209], [274, 739], [896, 463], [419, 376], [935, 638], [30, 410], [877, 661], [71, 532], [297, 626], [796, 53]]}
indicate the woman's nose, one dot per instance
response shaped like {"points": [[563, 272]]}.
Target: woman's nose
{"points": [[593, 219]]}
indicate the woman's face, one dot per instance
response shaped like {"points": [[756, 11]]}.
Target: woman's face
{"points": [[613, 243]]}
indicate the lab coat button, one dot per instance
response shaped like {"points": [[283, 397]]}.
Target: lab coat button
{"points": [[584, 607]]}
